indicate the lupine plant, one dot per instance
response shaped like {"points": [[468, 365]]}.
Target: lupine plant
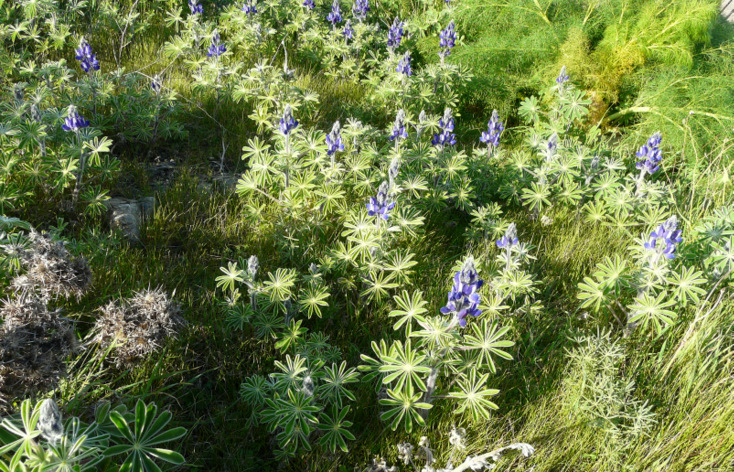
{"points": [[37, 438], [648, 292]]}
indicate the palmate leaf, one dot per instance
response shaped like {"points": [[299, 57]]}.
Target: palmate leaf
{"points": [[474, 396], [651, 310], [592, 293], [335, 430], [279, 286], [536, 197], [231, 276], [290, 336], [372, 364], [686, 285], [486, 342], [611, 273], [254, 390], [404, 366], [378, 283], [404, 406], [147, 432], [333, 389], [313, 298], [411, 307]]}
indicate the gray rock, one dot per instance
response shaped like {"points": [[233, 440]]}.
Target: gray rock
{"points": [[127, 215]]}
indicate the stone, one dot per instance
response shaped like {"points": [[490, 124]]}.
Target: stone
{"points": [[127, 215]]}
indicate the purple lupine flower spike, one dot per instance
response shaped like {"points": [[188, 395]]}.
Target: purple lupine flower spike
{"points": [[404, 65], [650, 154], [664, 240], [447, 136], [360, 9], [395, 34], [250, 7], [155, 84], [87, 59], [398, 130], [510, 238], [348, 31], [287, 123], [195, 7], [74, 121], [463, 300], [309, 4], [216, 49], [447, 41], [335, 16], [494, 128], [381, 205], [334, 141]]}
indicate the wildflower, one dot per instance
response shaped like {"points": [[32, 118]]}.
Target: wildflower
{"points": [[422, 118], [334, 140], [195, 7], [404, 65], [395, 34], [216, 49], [35, 113], [18, 93], [250, 7], [392, 171], [463, 299], [405, 452], [308, 386], [664, 240], [446, 137], [49, 421], [287, 123], [85, 56], [348, 30], [494, 128], [155, 84], [382, 204], [650, 154], [335, 16], [456, 437], [562, 79], [447, 40], [551, 147], [253, 264], [74, 121], [425, 449], [360, 9], [398, 129], [510, 237], [309, 4]]}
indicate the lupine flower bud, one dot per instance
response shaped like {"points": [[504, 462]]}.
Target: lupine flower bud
{"points": [[360, 9], [85, 56], [155, 84], [216, 49], [395, 34], [381, 205], [494, 128], [398, 129], [35, 113], [253, 264], [463, 299], [287, 123], [405, 452], [18, 93], [309, 4], [650, 154], [74, 121], [446, 137], [421, 119], [49, 421], [456, 437], [308, 386], [334, 140], [551, 147], [335, 16], [404, 65], [392, 171], [562, 79], [195, 8], [510, 237]]}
